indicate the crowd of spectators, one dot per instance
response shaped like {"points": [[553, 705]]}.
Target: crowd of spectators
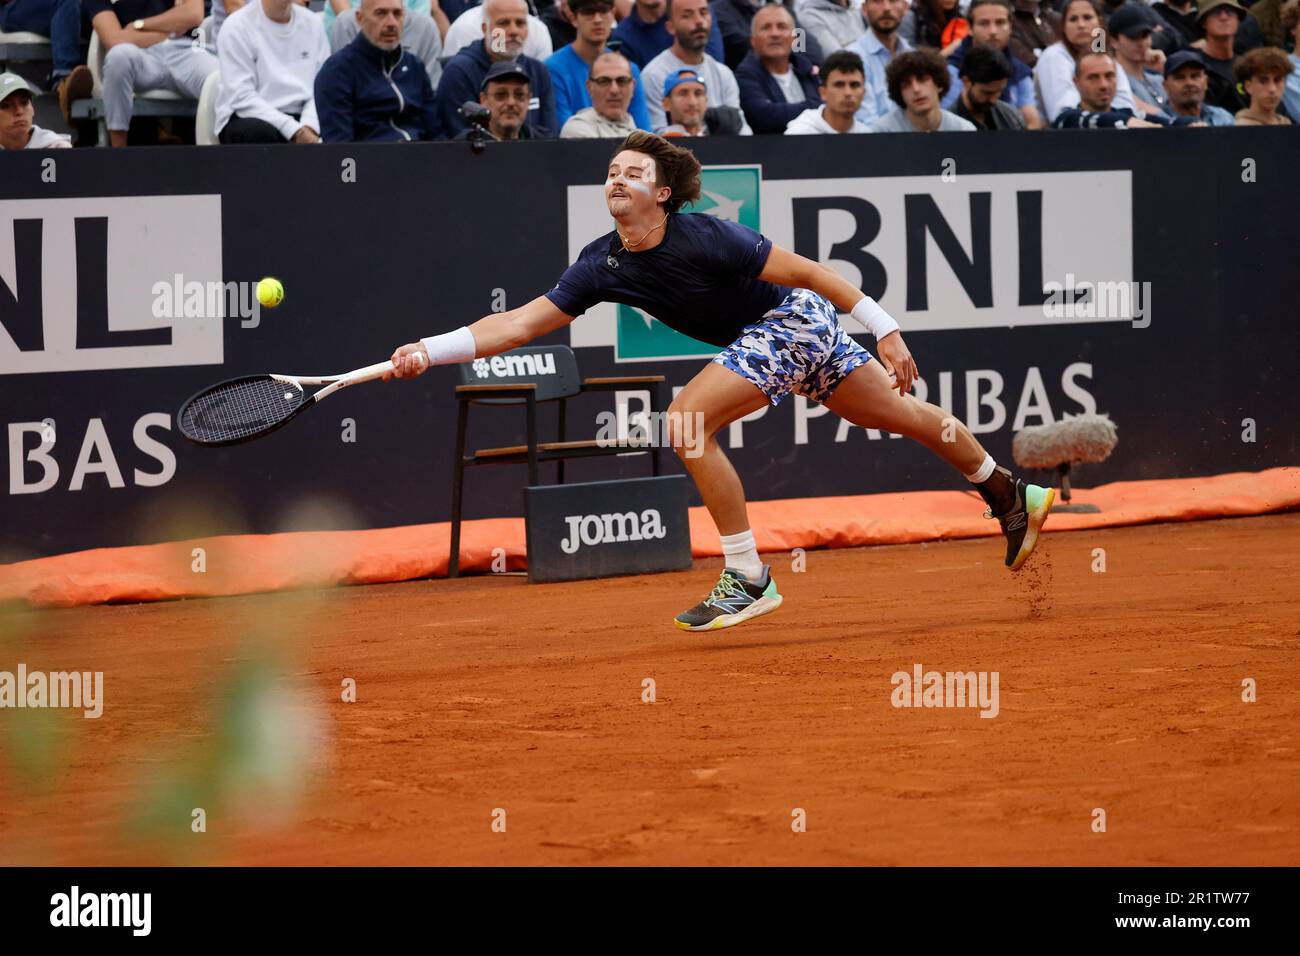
{"points": [[408, 70]]}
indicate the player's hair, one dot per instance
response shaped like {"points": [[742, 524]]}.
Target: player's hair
{"points": [[676, 167], [841, 61], [922, 62], [1262, 61], [984, 64]]}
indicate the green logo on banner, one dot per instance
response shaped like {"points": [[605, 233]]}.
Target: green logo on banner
{"points": [[728, 192]]}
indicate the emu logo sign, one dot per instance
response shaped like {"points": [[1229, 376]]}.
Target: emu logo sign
{"points": [[605, 529], [515, 366]]}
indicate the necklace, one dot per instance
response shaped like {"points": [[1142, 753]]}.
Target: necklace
{"points": [[628, 245]]}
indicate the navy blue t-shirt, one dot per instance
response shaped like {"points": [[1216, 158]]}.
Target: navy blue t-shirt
{"points": [[702, 280]]}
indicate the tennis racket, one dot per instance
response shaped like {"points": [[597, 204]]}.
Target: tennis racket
{"points": [[242, 409]]}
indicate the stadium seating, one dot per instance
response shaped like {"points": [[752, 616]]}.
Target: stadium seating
{"points": [[22, 48], [205, 118], [152, 103]]}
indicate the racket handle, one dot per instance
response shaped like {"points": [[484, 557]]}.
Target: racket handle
{"points": [[367, 374]]}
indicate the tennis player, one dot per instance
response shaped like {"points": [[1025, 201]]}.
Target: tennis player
{"points": [[774, 315]]}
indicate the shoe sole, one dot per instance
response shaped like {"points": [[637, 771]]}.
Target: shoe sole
{"points": [[1037, 518], [82, 89], [764, 605]]}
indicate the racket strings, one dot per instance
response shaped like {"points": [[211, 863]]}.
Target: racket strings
{"points": [[240, 409]]}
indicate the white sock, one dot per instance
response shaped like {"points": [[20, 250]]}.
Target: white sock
{"points": [[983, 471], [742, 555]]}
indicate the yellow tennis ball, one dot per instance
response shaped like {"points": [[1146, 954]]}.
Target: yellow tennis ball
{"points": [[270, 293]]}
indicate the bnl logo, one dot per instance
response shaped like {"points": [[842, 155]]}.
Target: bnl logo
{"points": [[22, 311], [80, 282]]}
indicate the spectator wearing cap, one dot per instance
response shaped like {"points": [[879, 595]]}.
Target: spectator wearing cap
{"points": [[686, 104], [1130, 31], [570, 66], [610, 88], [269, 60], [1180, 17], [1097, 77], [150, 45], [1056, 68], [372, 90], [505, 28], [990, 25], [505, 94], [643, 33], [17, 129], [834, 24], [1220, 19], [421, 33], [985, 73], [1034, 27], [689, 22], [60, 20], [1263, 73], [776, 84], [1185, 85], [877, 47], [918, 80], [1291, 98], [843, 84]]}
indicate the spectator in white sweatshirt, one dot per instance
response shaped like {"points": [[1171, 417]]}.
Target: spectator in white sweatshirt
{"points": [[270, 52]]}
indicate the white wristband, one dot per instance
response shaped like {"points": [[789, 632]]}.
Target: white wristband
{"points": [[451, 348], [877, 321]]}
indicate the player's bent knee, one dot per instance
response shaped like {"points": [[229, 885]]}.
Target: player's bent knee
{"points": [[684, 431]]}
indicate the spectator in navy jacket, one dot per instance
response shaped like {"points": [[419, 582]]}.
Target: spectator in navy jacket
{"points": [[643, 33], [776, 84], [505, 29], [372, 89], [734, 18]]}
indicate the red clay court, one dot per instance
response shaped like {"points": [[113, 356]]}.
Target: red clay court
{"points": [[1119, 690]]}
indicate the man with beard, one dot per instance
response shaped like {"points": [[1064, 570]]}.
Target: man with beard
{"points": [[689, 22], [373, 90], [877, 47], [984, 75], [643, 33]]}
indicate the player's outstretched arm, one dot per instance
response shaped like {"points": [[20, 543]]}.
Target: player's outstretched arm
{"points": [[789, 268], [498, 332]]}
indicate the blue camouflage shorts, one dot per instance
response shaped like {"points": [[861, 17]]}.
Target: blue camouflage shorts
{"points": [[797, 347]]}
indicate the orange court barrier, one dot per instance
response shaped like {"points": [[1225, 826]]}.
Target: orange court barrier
{"points": [[244, 564]]}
